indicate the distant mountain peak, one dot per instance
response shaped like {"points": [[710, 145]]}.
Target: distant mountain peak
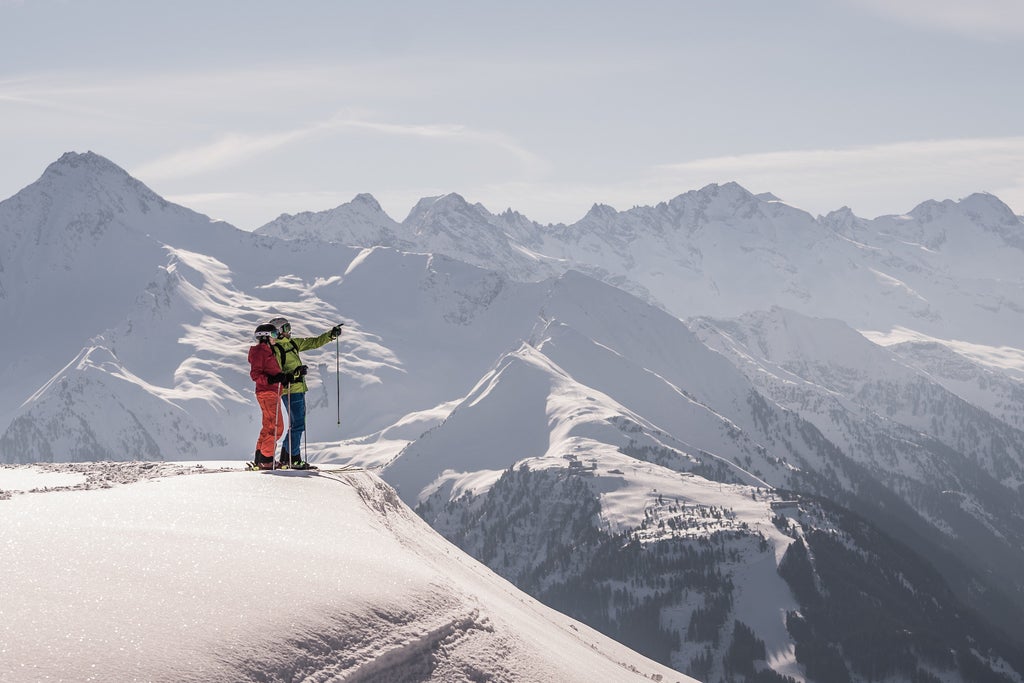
{"points": [[931, 209], [359, 221], [366, 199], [86, 159], [93, 173], [601, 212], [842, 221], [433, 213], [450, 200], [933, 222], [727, 197], [729, 189], [981, 204]]}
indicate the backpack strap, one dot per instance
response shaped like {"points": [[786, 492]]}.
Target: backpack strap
{"points": [[279, 347], [279, 356]]}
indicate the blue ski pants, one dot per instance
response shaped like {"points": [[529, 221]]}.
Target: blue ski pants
{"points": [[295, 404]]}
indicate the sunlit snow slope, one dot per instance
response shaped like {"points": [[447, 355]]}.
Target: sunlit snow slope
{"points": [[131, 572]]}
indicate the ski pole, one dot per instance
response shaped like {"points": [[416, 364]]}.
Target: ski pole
{"points": [[337, 373], [277, 415], [288, 434]]}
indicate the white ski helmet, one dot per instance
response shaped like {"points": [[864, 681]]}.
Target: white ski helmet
{"points": [[282, 325]]}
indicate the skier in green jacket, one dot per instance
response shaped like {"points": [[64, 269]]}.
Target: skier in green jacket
{"points": [[294, 394]]}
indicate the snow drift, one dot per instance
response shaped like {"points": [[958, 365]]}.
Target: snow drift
{"points": [[129, 571]]}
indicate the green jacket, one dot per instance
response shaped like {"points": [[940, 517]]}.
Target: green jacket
{"points": [[287, 353]]}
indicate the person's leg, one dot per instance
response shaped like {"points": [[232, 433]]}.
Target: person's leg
{"points": [[298, 425], [286, 457], [271, 427]]}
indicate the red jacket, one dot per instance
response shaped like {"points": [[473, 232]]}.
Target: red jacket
{"points": [[263, 365]]}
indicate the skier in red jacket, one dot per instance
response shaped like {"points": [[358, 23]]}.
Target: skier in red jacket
{"points": [[266, 372]]}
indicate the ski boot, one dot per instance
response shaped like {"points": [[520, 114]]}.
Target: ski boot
{"points": [[261, 462]]}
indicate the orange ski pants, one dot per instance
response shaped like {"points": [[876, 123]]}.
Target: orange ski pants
{"points": [[273, 422]]}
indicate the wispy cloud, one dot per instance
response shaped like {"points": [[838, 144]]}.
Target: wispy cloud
{"points": [[235, 148], [451, 131], [978, 18], [230, 149], [56, 94], [869, 176], [933, 157]]}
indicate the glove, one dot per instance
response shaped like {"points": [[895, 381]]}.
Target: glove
{"points": [[336, 331], [300, 372], [280, 378]]}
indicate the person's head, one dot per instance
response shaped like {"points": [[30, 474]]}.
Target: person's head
{"points": [[284, 328], [266, 333]]}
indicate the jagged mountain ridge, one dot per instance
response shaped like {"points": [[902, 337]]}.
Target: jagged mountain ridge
{"points": [[950, 268], [446, 225]]}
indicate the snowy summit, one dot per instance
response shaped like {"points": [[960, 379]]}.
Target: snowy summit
{"points": [[192, 572]]}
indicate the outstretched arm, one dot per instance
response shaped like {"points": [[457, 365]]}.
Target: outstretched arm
{"points": [[310, 343]]}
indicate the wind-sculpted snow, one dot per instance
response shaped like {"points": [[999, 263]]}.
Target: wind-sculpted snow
{"points": [[192, 572]]}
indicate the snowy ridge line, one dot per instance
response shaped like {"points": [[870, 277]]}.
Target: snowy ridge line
{"points": [[373, 594], [684, 447], [85, 476]]}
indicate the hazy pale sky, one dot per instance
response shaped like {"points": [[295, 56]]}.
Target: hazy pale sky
{"points": [[246, 110]]}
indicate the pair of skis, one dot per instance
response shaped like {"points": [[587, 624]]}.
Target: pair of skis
{"points": [[253, 467]]}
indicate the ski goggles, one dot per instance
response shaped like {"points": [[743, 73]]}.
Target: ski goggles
{"points": [[286, 329]]}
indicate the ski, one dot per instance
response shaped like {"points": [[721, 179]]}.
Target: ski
{"points": [[253, 467]]}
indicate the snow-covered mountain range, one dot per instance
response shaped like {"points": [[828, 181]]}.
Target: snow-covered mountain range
{"points": [[949, 269], [695, 385]]}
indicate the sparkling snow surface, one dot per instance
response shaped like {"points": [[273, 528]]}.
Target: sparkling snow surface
{"points": [[187, 572], [34, 478]]}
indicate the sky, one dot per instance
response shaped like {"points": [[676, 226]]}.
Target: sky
{"points": [[245, 111]]}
